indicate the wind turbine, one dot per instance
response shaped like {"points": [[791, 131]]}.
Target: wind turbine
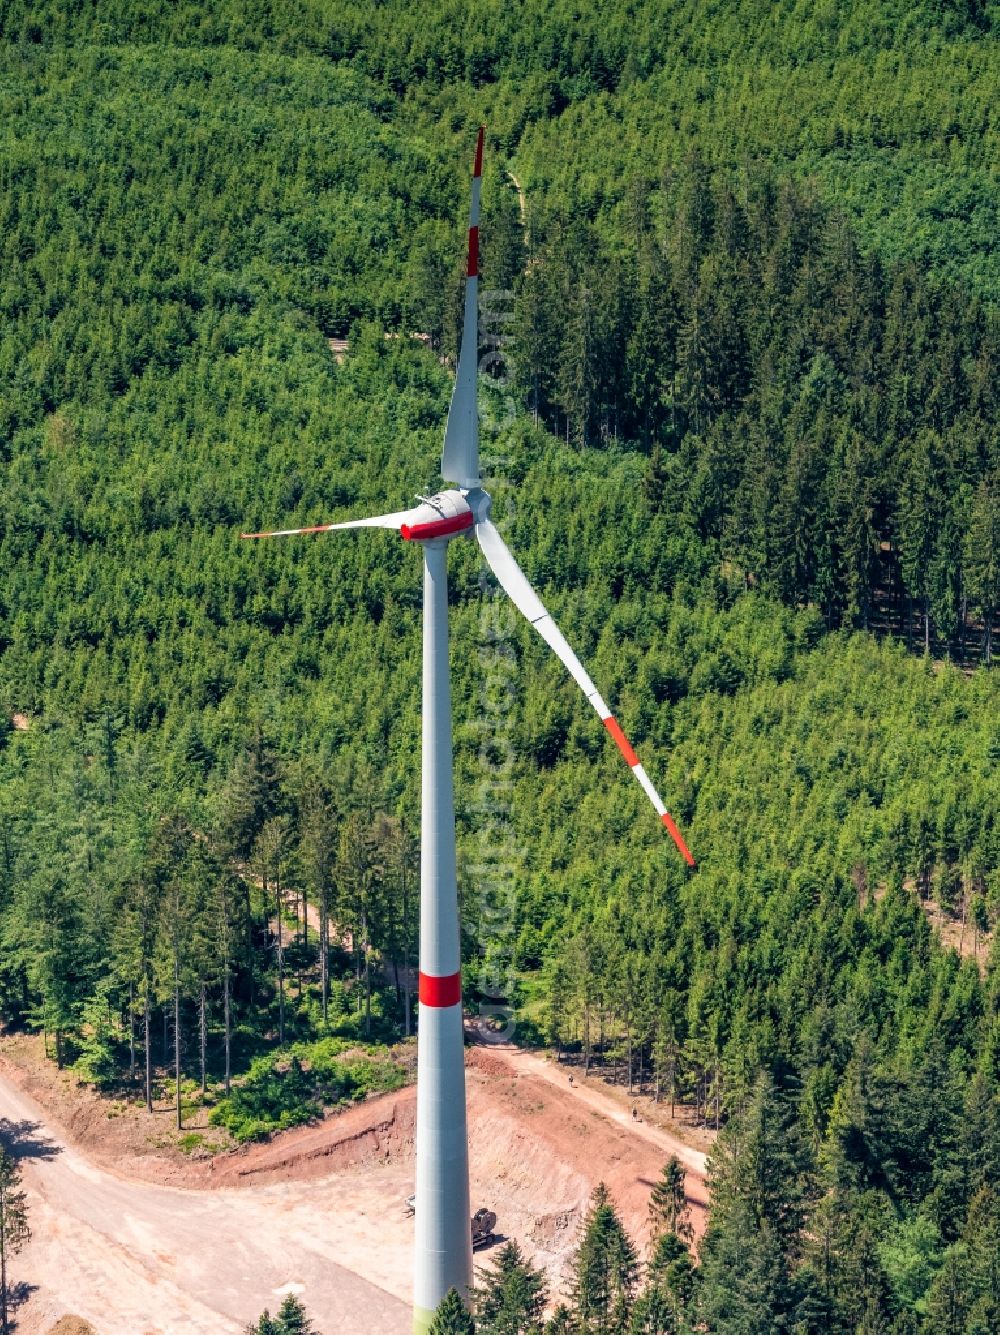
{"points": [[443, 1244]]}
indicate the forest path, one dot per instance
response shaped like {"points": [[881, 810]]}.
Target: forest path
{"points": [[602, 1101], [136, 1258]]}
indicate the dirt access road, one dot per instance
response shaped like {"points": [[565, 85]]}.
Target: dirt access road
{"points": [[318, 1208], [599, 1098], [134, 1258]]}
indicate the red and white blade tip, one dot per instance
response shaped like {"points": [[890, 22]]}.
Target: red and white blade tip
{"points": [[478, 168], [635, 765], [515, 584]]}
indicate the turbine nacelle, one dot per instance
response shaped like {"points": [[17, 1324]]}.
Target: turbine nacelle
{"points": [[440, 516]]}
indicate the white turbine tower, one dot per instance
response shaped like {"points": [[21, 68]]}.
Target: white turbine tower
{"points": [[443, 1244]]}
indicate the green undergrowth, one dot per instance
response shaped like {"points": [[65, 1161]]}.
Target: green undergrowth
{"points": [[290, 1088]]}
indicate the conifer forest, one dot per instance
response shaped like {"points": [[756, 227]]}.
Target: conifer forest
{"points": [[748, 356]]}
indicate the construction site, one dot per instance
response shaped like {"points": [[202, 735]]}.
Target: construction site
{"points": [[133, 1236]]}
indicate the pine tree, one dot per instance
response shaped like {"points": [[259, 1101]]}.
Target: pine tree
{"points": [[292, 1318], [662, 1307], [267, 1325], [512, 1298], [605, 1270], [743, 1280], [452, 1317], [14, 1230], [668, 1201]]}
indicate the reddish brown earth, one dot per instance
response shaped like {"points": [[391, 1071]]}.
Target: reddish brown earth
{"points": [[128, 1230]]}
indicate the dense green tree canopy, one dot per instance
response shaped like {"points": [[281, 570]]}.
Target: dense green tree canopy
{"points": [[748, 452]]}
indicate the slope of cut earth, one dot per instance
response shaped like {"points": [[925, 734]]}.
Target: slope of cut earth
{"points": [[540, 1146], [134, 1258], [320, 1208], [613, 1103]]}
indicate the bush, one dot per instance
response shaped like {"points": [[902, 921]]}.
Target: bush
{"points": [[289, 1088]]}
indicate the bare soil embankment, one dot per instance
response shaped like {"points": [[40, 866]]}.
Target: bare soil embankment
{"points": [[134, 1237]]}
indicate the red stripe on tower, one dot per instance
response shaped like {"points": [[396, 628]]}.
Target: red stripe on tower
{"points": [[473, 252], [675, 834], [478, 169], [622, 742], [440, 992]]}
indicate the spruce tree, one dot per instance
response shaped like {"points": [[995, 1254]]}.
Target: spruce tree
{"points": [[512, 1298], [452, 1317], [292, 1318], [760, 1166], [653, 1314], [950, 1295], [743, 1286], [982, 1239], [251, 795], [606, 1270], [982, 558], [267, 1325], [850, 1279], [671, 1270], [760, 1178], [668, 1201], [561, 1322], [502, 248], [662, 1307]]}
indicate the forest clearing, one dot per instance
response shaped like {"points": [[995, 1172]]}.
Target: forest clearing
{"points": [[124, 1238]]}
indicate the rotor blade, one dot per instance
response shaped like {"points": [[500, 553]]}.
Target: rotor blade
{"points": [[513, 581], [379, 521], [460, 457]]}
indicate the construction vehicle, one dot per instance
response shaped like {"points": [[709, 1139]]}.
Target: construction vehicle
{"points": [[484, 1223]]}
